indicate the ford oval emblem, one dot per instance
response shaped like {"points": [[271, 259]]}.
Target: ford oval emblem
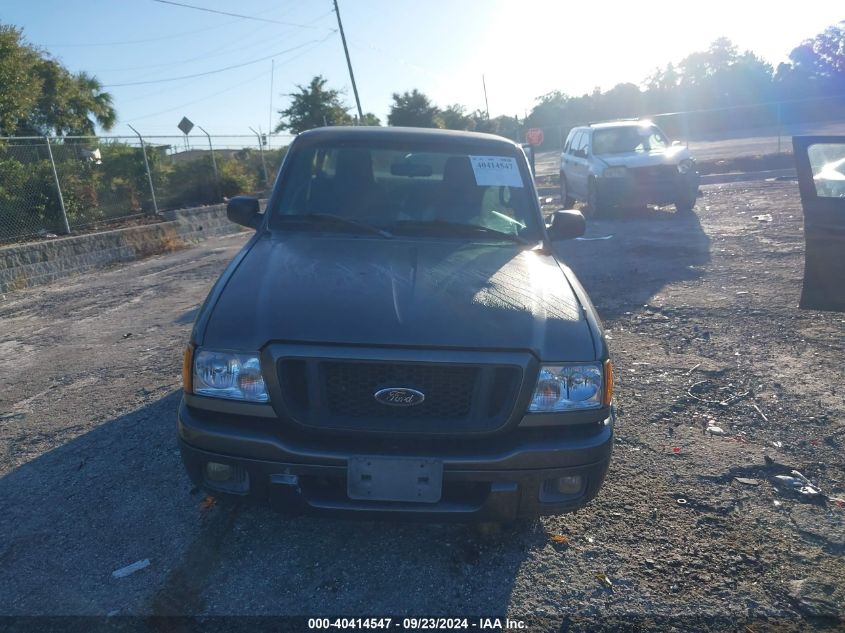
{"points": [[399, 396]]}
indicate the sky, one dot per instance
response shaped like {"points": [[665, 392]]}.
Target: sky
{"points": [[523, 49]]}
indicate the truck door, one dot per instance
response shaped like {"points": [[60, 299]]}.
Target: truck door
{"points": [[820, 161]]}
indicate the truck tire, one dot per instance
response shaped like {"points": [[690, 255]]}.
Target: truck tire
{"points": [[685, 206]]}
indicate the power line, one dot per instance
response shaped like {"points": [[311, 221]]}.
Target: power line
{"points": [[205, 98], [217, 52], [220, 70], [157, 39], [234, 15], [228, 88]]}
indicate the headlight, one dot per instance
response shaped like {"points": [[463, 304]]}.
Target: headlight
{"points": [[229, 375], [568, 388], [614, 172], [686, 165]]}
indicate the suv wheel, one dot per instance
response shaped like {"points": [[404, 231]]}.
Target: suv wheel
{"points": [[566, 200], [594, 207]]}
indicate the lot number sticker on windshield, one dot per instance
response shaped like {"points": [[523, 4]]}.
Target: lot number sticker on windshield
{"points": [[496, 171]]}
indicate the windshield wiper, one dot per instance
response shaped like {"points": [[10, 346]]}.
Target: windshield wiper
{"points": [[459, 227], [331, 218]]}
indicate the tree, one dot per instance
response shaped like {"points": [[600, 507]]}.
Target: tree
{"points": [[413, 109], [817, 62], [502, 125], [369, 119], [39, 96], [312, 106], [21, 87], [455, 117]]}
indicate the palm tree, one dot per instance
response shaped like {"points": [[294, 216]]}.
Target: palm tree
{"points": [[94, 102]]}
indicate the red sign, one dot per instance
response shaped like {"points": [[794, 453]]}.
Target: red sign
{"points": [[534, 136]]}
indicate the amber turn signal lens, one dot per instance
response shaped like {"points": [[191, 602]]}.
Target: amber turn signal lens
{"points": [[608, 382], [188, 369]]}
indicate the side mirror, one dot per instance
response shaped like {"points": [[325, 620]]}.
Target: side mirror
{"points": [[675, 143], [244, 210], [566, 225]]}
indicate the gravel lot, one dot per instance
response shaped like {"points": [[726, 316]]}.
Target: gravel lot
{"points": [[705, 332]]}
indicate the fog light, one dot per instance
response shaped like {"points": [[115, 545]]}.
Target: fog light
{"points": [[218, 472], [569, 485], [561, 489]]}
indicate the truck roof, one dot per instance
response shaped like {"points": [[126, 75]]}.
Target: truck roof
{"points": [[400, 134]]}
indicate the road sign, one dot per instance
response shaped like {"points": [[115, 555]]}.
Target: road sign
{"points": [[534, 136], [185, 125]]}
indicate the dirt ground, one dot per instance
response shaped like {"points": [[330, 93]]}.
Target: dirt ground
{"points": [[688, 533]]}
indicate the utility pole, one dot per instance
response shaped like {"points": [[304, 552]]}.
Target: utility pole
{"points": [[349, 63], [486, 105]]}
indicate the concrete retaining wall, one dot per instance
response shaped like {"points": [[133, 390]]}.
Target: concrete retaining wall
{"points": [[27, 265]]}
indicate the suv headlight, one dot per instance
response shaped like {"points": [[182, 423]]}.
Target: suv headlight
{"points": [[228, 375], [614, 172], [686, 165], [572, 387]]}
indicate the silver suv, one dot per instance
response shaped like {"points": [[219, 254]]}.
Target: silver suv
{"points": [[626, 163]]}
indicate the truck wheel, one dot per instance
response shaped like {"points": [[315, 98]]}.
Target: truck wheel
{"points": [[685, 207], [687, 202], [566, 200]]}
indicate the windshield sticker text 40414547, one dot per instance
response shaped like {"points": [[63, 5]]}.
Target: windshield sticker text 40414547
{"points": [[501, 171]]}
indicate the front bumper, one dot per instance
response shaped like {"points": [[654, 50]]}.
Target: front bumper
{"points": [[483, 480], [632, 191]]}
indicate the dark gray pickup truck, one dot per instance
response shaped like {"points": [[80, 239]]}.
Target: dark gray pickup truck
{"points": [[398, 338]]}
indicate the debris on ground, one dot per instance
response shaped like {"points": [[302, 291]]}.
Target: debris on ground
{"points": [[763, 217], [604, 580], [796, 482], [747, 481], [715, 430], [131, 569], [560, 539]]}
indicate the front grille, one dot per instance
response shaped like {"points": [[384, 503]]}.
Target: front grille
{"points": [[655, 174], [340, 394], [350, 388]]}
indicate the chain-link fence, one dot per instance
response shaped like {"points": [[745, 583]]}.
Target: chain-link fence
{"points": [[58, 185]]}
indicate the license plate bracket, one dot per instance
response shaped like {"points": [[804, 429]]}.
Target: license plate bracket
{"points": [[408, 479]]}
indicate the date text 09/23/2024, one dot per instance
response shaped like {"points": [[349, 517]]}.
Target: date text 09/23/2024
{"points": [[416, 624]]}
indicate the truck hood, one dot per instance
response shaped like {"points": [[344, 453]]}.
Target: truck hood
{"points": [[399, 292], [669, 156]]}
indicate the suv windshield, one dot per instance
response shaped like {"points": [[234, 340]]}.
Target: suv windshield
{"points": [[628, 138], [447, 191]]}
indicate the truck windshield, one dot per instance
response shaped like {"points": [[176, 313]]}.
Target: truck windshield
{"points": [[628, 138], [450, 191]]}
